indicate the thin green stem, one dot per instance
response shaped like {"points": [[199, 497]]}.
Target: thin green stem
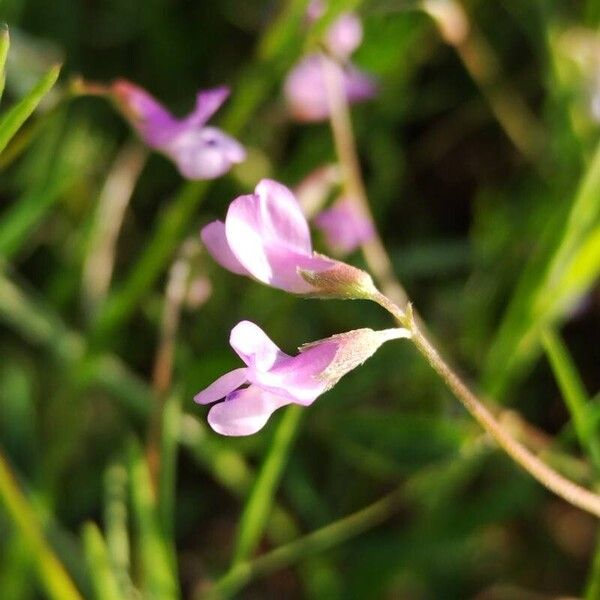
{"points": [[260, 501], [561, 486], [321, 539]]}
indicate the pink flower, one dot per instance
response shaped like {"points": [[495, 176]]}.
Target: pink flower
{"points": [[305, 88], [275, 379], [344, 34], [345, 228], [266, 236], [306, 91], [199, 151]]}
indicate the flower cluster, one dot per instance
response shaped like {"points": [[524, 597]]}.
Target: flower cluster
{"points": [[305, 86], [266, 236]]}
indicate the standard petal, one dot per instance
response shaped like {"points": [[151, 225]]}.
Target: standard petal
{"points": [[204, 153], [255, 347], [208, 103], [269, 235], [213, 237], [244, 412], [243, 231], [222, 386], [283, 221]]}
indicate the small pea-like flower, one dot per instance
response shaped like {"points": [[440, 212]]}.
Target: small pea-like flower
{"points": [[305, 87], [344, 227], [199, 151], [266, 236], [344, 35], [275, 379]]}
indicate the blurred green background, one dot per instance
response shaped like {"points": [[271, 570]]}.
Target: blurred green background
{"points": [[482, 166]]}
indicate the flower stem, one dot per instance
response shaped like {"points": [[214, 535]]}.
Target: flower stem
{"points": [[373, 250], [548, 477]]}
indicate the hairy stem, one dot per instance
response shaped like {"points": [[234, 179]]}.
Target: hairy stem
{"points": [[548, 477]]}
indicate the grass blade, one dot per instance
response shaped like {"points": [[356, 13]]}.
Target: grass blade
{"points": [[101, 573], [115, 519], [549, 286], [56, 581], [12, 120], [158, 580], [573, 392], [4, 46]]}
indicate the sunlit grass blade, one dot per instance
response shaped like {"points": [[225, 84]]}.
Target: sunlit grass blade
{"points": [[555, 279], [103, 578], [258, 506], [573, 392], [4, 46], [158, 578], [592, 588], [53, 576], [12, 120]]}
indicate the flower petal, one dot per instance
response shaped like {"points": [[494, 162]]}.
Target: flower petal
{"points": [[208, 103], [269, 235], [344, 227], [298, 377], [213, 237], [345, 35], [152, 120], [204, 153], [255, 347], [222, 386], [281, 216], [244, 412], [359, 86], [306, 92]]}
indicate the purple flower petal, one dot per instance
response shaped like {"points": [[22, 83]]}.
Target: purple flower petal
{"points": [[344, 35], [213, 237], [199, 152], [297, 377], [222, 386], [254, 347], [306, 92], [344, 227], [269, 235], [208, 103], [244, 412], [359, 85], [204, 153], [152, 120]]}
